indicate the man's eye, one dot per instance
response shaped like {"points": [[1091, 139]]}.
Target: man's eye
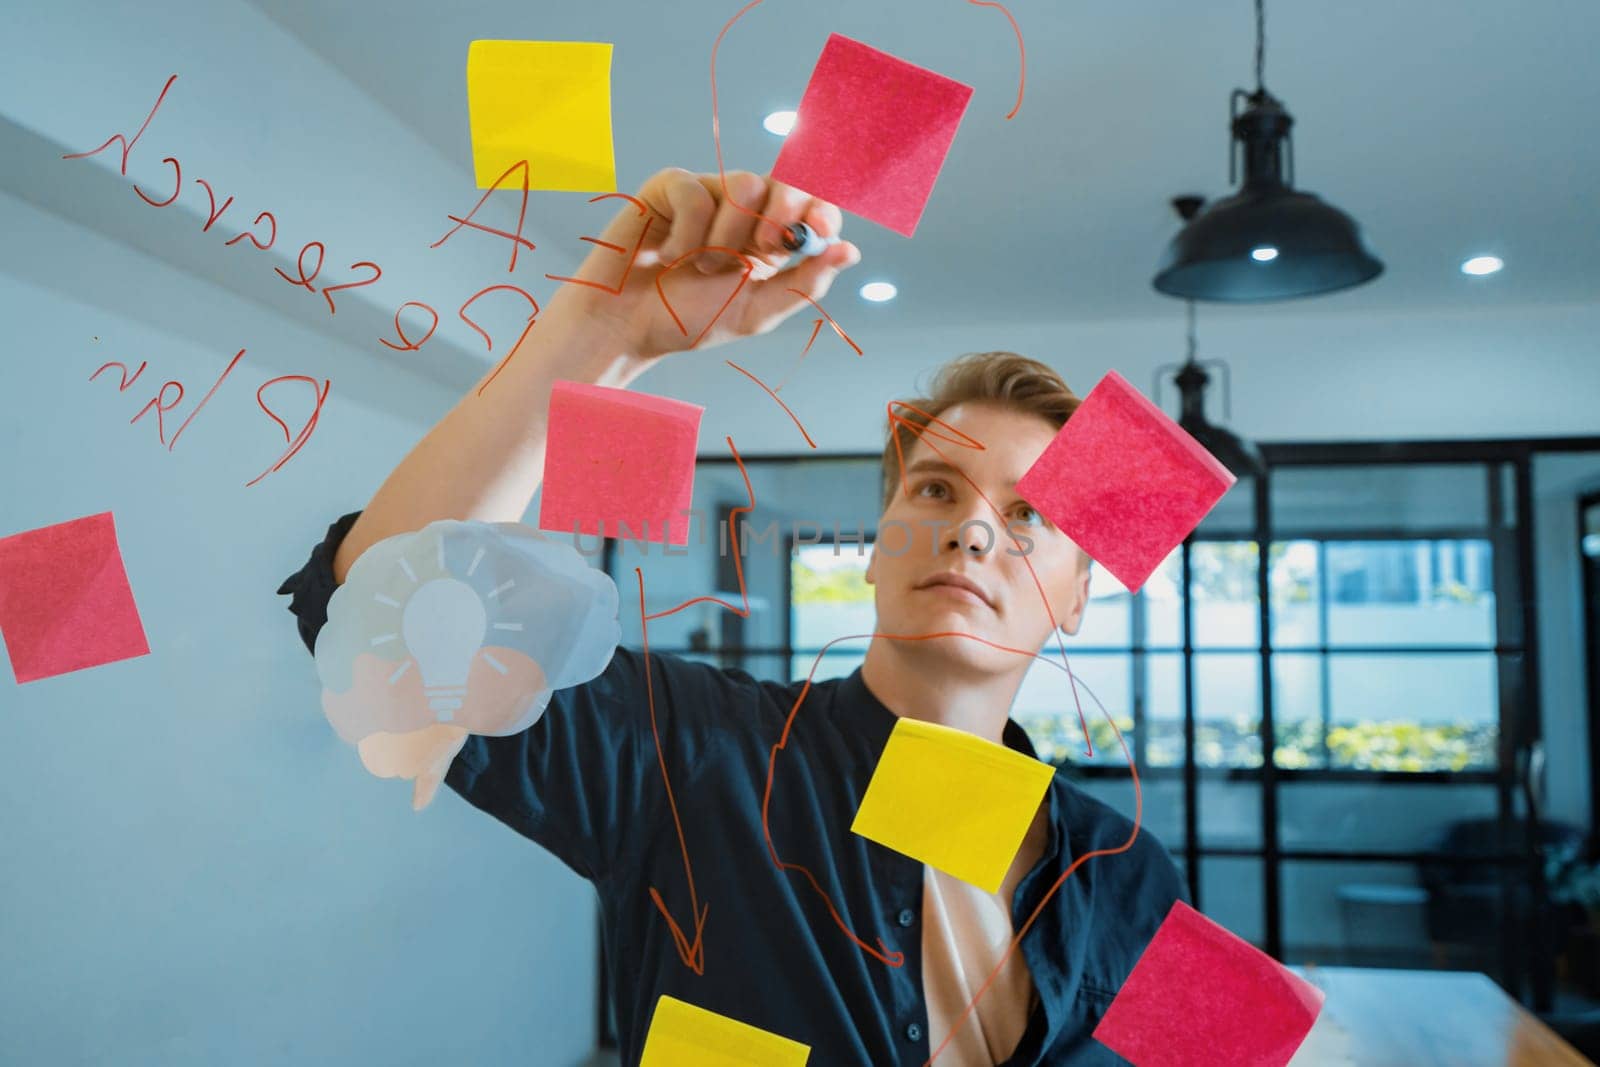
{"points": [[937, 490], [1029, 515]]}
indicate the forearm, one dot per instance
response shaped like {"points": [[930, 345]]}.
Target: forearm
{"points": [[484, 460]]}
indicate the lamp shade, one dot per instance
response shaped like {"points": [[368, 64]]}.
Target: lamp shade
{"points": [[1318, 249], [1242, 458], [1267, 241]]}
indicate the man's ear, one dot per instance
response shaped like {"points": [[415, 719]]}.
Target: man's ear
{"points": [[1073, 618], [872, 563]]}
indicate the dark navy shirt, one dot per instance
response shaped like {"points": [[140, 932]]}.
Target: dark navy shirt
{"points": [[585, 782]]}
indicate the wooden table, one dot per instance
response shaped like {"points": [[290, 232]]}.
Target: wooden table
{"points": [[1378, 1018]]}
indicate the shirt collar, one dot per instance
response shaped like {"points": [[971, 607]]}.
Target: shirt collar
{"points": [[879, 719]]}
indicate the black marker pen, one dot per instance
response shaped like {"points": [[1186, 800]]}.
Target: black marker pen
{"points": [[802, 240]]}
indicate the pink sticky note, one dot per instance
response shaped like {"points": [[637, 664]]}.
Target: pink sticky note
{"points": [[1201, 996], [65, 603], [619, 463], [871, 133], [1124, 481]]}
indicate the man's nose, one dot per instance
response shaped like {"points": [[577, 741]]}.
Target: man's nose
{"points": [[972, 535]]}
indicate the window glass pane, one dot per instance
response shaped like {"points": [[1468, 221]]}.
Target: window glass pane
{"points": [[1410, 593], [834, 664], [1377, 816], [1163, 803], [1296, 595], [829, 597], [1163, 606], [1046, 708], [1230, 812], [1223, 584], [1413, 712], [1106, 621], [1356, 914], [1297, 709], [1163, 714], [1416, 499], [1227, 689], [1230, 895]]}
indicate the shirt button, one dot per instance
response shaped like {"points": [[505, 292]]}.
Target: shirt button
{"points": [[914, 1032], [906, 917]]}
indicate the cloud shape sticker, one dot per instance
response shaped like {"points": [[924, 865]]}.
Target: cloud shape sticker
{"points": [[458, 628]]}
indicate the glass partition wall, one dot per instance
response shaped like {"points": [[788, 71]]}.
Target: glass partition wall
{"points": [[1383, 649]]}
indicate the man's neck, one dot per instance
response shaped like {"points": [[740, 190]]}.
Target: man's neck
{"points": [[916, 683]]}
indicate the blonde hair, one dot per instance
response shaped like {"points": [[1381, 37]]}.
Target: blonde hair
{"points": [[1004, 379]]}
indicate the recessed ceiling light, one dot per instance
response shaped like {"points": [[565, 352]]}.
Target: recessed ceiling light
{"points": [[779, 122], [1264, 254], [1482, 265], [878, 292]]}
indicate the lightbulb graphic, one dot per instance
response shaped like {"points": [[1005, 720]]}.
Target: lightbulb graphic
{"points": [[444, 624], [495, 617]]}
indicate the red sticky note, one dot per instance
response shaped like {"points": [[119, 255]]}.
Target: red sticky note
{"points": [[871, 133], [65, 603], [1124, 481], [1201, 996], [619, 464]]}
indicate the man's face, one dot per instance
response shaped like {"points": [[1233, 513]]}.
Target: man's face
{"points": [[934, 574]]}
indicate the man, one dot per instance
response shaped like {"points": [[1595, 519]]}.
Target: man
{"points": [[865, 955]]}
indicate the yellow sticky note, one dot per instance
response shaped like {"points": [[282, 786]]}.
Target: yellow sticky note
{"points": [[548, 102], [682, 1035], [953, 800]]}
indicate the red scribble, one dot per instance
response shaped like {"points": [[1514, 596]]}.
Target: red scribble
{"points": [[692, 953], [774, 395], [532, 316], [127, 145], [177, 186], [928, 434], [1022, 54], [963, 440], [329, 290], [644, 211], [213, 213], [161, 409], [126, 381], [502, 364], [305, 433], [304, 281], [400, 331], [738, 567], [1138, 821], [816, 328], [270, 217], [716, 122], [516, 239], [749, 268], [204, 400], [897, 959], [490, 289]]}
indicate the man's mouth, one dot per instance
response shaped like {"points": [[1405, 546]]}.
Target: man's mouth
{"points": [[959, 583]]}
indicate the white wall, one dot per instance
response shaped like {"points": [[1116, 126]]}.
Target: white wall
{"points": [[197, 869]]}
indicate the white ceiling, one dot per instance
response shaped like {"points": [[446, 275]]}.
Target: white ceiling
{"points": [[1445, 128]]}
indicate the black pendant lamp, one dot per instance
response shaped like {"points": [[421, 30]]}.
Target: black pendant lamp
{"points": [[1267, 241], [1241, 457]]}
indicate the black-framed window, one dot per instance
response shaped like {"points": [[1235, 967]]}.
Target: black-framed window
{"points": [[1360, 626]]}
